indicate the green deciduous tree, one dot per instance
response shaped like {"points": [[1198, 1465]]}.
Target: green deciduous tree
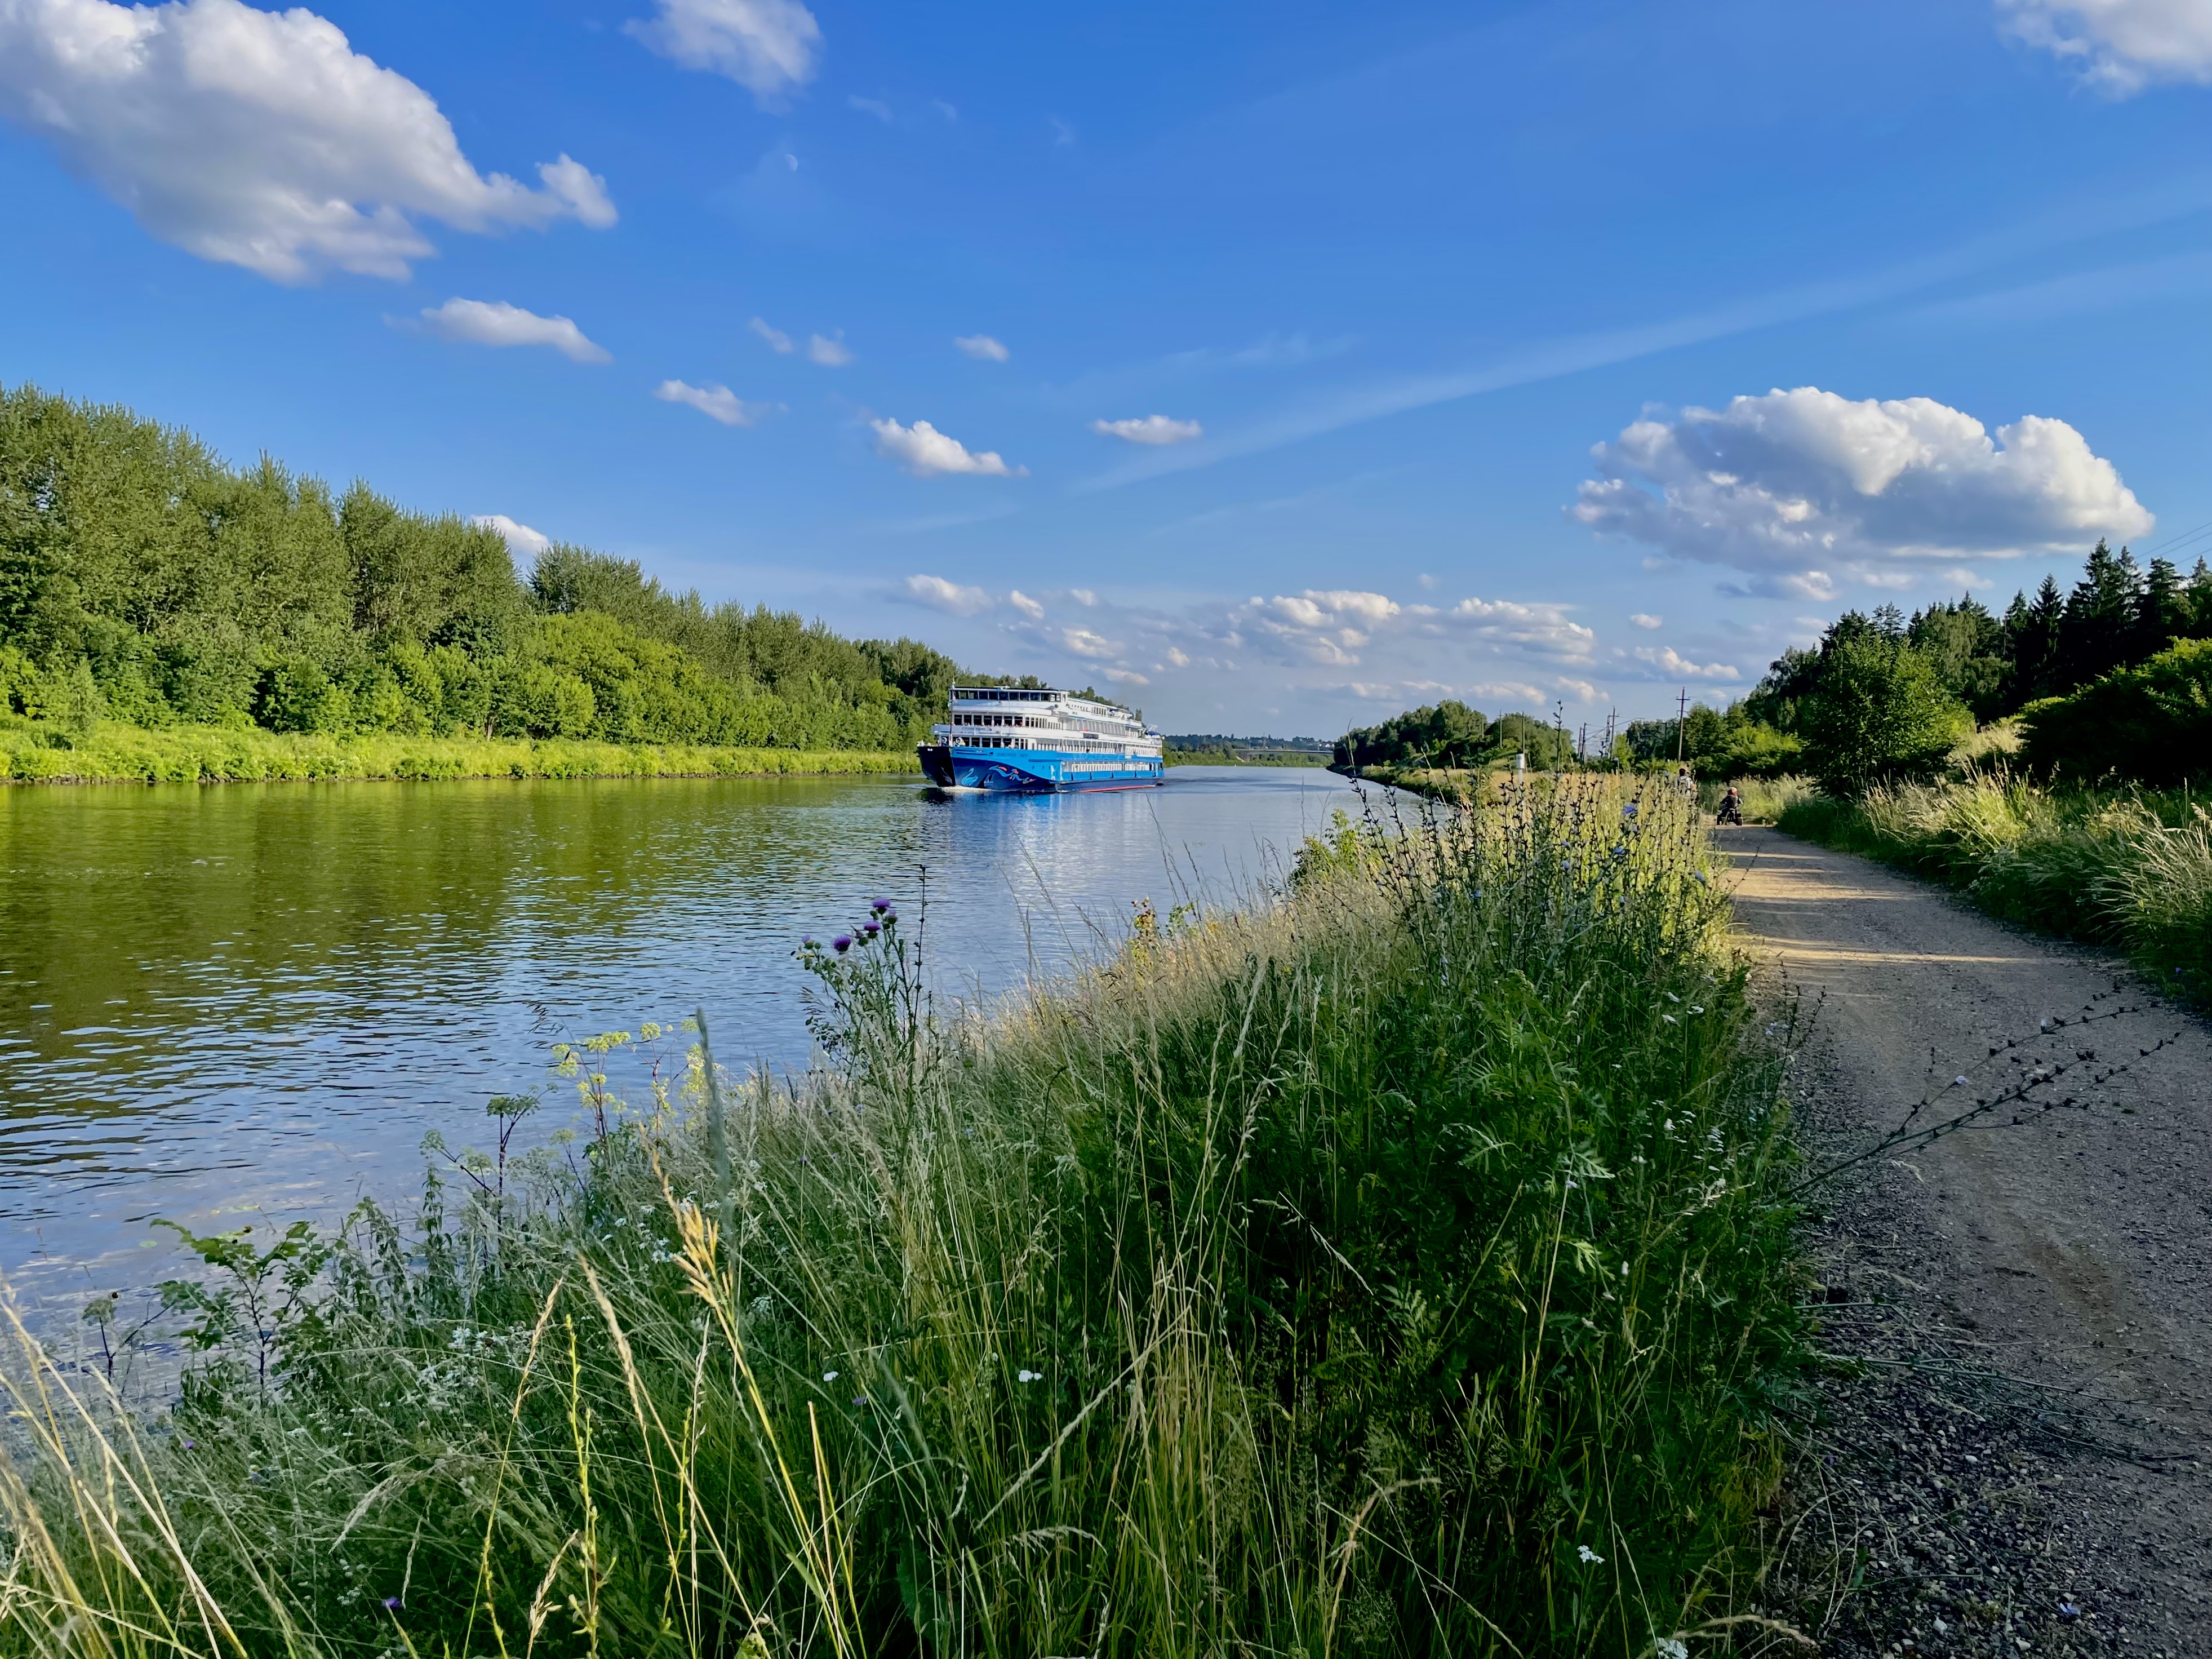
{"points": [[1880, 712]]}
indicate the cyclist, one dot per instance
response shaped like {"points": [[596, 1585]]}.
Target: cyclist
{"points": [[1731, 807]]}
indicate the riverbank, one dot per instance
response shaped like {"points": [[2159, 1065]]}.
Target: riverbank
{"points": [[33, 752], [1405, 1264], [2126, 868]]}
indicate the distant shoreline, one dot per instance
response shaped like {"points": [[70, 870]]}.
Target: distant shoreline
{"points": [[126, 754]]}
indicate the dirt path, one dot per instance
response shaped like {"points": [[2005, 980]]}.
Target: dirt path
{"points": [[2030, 1469]]}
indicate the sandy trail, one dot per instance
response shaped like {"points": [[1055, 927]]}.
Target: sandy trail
{"points": [[2073, 1252]]}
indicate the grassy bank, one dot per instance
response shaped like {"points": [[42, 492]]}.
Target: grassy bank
{"points": [[1400, 1267], [2126, 868], [31, 752]]}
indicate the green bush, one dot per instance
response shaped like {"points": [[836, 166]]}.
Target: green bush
{"points": [[2152, 722], [1879, 713]]}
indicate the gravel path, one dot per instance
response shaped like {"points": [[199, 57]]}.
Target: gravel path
{"points": [[2021, 1461]]}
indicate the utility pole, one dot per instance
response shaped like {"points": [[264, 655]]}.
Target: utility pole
{"points": [[1681, 719]]}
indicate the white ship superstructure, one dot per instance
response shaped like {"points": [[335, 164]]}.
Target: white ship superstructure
{"points": [[1004, 737]]}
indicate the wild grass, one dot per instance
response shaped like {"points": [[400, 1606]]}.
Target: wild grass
{"points": [[2129, 867], [114, 753], [1402, 1267]]}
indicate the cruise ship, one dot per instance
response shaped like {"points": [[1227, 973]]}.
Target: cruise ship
{"points": [[1005, 737]]}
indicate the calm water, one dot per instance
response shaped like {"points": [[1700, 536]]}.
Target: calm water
{"points": [[257, 998]]}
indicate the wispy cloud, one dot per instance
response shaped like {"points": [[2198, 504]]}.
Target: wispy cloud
{"points": [[2118, 46], [2186, 275], [717, 403], [495, 322], [767, 47], [1153, 429], [950, 597], [874, 106], [982, 347], [829, 352], [778, 341], [1546, 360]]}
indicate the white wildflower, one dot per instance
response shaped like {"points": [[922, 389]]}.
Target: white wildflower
{"points": [[1590, 1557]]}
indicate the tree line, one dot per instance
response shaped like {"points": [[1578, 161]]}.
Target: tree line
{"points": [[144, 579], [2114, 676], [1452, 734]]}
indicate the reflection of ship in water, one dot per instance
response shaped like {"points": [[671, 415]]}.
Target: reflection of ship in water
{"points": [[1003, 736]]}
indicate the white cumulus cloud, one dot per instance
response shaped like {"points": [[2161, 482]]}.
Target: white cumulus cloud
{"points": [[495, 322], [939, 594], [717, 403], [982, 347], [1150, 430], [1028, 607], [767, 47], [521, 539], [1642, 619], [1091, 647], [258, 138], [829, 353], [926, 452], [2120, 46], [1796, 487], [1672, 665]]}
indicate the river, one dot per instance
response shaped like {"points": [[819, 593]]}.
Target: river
{"points": [[250, 1002]]}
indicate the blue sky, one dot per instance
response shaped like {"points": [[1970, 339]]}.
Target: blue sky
{"points": [[1282, 365]]}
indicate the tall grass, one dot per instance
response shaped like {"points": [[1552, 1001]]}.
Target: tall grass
{"points": [[114, 753], [1401, 1266], [2126, 868]]}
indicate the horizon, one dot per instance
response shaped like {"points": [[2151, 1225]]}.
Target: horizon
{"points": [[1274, 371]]}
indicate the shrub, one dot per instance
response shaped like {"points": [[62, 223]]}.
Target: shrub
{"points": [[1878, 714], [2152, 723]]}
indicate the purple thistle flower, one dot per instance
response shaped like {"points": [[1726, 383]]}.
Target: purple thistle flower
{"points": [[880, 906], [871, 928], [842, 944], [810, 943]]}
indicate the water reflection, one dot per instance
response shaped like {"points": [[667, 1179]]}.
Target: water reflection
{"points": [[264, 996]]}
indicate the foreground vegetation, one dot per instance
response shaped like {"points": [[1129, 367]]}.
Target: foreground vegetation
{"points": [[2125, 867], [1401, 1266], [201, 754], [2112, 678], [143, 582]]}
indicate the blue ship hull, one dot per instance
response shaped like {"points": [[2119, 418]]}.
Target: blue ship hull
{"points": [[1035, 771]]}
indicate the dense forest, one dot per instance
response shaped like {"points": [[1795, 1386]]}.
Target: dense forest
{"points": [[2114, 676], [142, 579]]}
